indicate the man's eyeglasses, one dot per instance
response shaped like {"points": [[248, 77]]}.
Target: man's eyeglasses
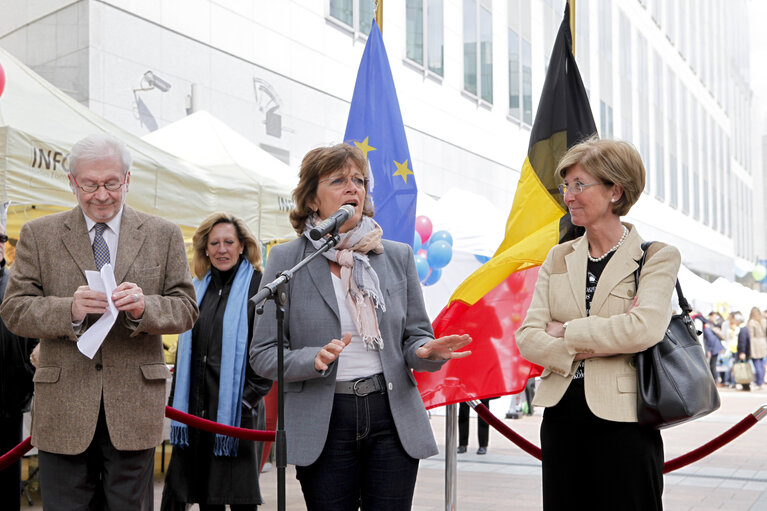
{"points": [[111, 186], [340, 181], [3, 238], [575, 188]]}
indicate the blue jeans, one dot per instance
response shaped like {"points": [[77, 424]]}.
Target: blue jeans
{"points": [[758, 370], [363, 464]]}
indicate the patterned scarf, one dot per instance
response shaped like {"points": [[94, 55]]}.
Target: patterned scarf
{"points": [[357, 276]]}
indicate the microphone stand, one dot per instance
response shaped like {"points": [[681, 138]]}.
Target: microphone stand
{"points": [[277, 291]]}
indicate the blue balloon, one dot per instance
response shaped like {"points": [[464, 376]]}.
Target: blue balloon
{"points": [[442, 235], [422, 267], [433, 277], [482, 259], [439, 254], [416, 242]]}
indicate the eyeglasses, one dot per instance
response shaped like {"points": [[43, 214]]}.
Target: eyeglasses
{"points": [[575, 188], [111, 186], [3, 238], [337, 182]]}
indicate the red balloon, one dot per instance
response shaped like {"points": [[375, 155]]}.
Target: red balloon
{"points": [[2, 79], [423, 227]]}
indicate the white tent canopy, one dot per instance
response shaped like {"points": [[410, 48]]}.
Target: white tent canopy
{"points": [[254, 178], [38, 126]]}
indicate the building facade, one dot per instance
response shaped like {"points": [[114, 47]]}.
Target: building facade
{"points": [[671, 76]]}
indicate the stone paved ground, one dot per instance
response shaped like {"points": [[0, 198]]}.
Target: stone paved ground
{"points": [[732, 479]]}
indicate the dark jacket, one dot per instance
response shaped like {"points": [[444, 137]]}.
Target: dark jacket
{"points": [[744, 342], [712, 343], [16, 371], [195, 474]]}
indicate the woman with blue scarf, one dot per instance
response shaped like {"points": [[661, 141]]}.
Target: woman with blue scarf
{"points": [[212, 378]]}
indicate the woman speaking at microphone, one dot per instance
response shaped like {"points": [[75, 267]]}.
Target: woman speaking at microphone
{"points": [[355, 327]]}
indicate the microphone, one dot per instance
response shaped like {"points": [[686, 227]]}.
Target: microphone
{"points": [[333, 222]]}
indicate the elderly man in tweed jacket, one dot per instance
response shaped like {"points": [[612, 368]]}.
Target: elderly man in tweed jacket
{"points": [[97, 421]]}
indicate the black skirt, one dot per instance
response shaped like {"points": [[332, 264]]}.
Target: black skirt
{"points": [[596, 464]]}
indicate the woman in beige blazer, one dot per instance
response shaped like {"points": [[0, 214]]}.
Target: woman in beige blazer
{"points": [[584, 325]]}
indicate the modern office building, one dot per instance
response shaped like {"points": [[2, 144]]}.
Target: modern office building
{"points": [[672, 76]]}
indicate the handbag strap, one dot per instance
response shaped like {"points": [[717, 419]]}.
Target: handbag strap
{"points": [[683, 303]]}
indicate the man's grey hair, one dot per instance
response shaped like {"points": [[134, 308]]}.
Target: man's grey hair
{"points": [[97, 147]]}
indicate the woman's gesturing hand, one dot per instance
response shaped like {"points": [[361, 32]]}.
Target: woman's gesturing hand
{"points": [[330, 352], [445, 347]]}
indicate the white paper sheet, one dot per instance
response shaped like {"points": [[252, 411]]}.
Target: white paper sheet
{"points": [[104, 281]]}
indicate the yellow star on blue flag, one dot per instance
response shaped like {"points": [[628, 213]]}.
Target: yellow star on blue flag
{"points": [[375, 126]]}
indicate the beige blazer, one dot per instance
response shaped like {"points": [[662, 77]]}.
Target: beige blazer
{"points": [[129, 369], [560, 294]]}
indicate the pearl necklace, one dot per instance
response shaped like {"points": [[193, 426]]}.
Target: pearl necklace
{"points": [[617, 245]]}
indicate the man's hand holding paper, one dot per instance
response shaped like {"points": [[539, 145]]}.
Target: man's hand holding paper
{"points": [[88, 301], [129, 297], [99, 283]]}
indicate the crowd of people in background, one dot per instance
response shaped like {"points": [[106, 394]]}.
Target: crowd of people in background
{"points": [[735, 347]]}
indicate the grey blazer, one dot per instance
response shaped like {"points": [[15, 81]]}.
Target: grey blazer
{"points": [[128, 372], [312, 320]]}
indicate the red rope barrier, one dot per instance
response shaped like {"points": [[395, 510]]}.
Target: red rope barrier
{"points": [[14, 454], [215, 427], [529, 447], [24, 447], [706, 449], [671, 465]]}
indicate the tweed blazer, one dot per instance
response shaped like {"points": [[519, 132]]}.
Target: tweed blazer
{"points": [[129, 370], [560, 295], [312, 320]]}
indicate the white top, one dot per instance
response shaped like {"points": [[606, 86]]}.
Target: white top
{"points": [[355, 360]]}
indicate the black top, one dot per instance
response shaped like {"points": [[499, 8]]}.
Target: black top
{"points": [[593, 272], [16, 371]]}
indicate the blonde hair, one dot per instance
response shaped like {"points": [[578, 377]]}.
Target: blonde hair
{"points": [[756, 314], [251, 247], [317, 164], [610, 162]]}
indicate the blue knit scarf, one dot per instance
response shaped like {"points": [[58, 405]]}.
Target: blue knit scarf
{"points": [[234, 347]]}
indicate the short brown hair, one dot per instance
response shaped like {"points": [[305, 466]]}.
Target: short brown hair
{"points": [[317, 164], [251, 246], [611, 162]]}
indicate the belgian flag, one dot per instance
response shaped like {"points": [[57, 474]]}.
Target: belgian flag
{"points": [[491, 304]]}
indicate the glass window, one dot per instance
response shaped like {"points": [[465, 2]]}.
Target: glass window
{"points": [[470, 46], [366, 15], [486, 53], [358, 15], [435, 49], [424, 34], [414, 28], [514, 75], [527, 82], [478, 50], [342, 11], [660, 188]]}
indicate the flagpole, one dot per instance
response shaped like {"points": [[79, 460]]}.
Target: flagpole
{"points": [[572, 22], [451, 458], [379, 15]]}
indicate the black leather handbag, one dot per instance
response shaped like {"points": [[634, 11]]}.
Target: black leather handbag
{"points": [[674, 381]]}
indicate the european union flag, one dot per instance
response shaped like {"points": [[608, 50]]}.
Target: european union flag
{"points": [[375, 126]]}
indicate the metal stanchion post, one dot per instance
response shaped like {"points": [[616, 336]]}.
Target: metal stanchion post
{"points": [[451, 445]]}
